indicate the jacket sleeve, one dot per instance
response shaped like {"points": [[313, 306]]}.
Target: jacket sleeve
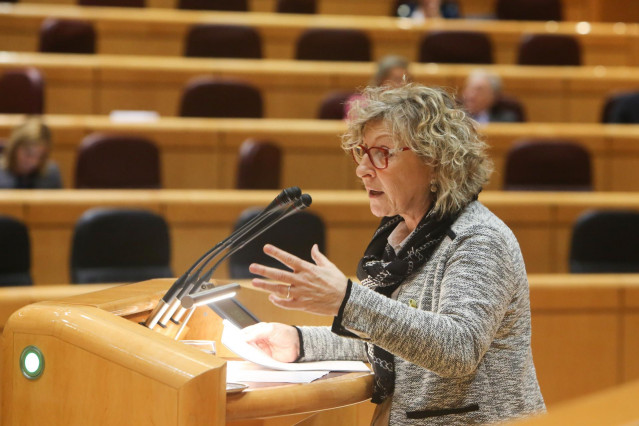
{"points": [[319, 344]]}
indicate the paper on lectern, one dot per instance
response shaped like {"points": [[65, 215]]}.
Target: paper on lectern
{"points": [[232, 339], [247, 371]]}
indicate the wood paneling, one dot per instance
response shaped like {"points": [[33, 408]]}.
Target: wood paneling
{"points": [[198, 219], [163, 32], [98, 84], [203, 153], [573, 10]]}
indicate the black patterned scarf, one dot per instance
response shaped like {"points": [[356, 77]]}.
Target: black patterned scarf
{"points": [[382, 270]]}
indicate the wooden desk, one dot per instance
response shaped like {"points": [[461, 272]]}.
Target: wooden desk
{"points": [[574, 10], [542, 222], [14, 298], [107, 363], [585, 331], [333, 7], [203, 153], [98, 84], [614, 406], [163, 32]]}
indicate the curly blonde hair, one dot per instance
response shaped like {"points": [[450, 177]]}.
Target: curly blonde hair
{"points": [[428, 121]]}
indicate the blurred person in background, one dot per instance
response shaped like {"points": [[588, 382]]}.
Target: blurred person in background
{"points": [[428, 9], [480, 95], [25, 162], [391, 72]]}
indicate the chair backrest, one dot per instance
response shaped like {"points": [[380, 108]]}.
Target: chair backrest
{"points": [[113, 3], [226, 5], [333, 106], [306, 7], [529, 10], [212, 97], [295, 234], [15, 262], [547, 165], [456, 47], [67, 36], [549, 49], [22, 92], [605, 242], [508, 106], [223, 41], [621, 108], [319, 44], [120, 245], [117, 161], [259, 165]]}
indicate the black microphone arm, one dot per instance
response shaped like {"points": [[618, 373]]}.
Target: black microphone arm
{"points": [[283, 199], [303, 202], [300, 204]]}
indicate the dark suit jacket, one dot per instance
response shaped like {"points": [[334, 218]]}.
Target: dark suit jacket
{"points": [[625, 109]]}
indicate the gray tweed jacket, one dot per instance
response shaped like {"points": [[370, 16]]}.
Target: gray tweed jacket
{"points": [[459, 330]]}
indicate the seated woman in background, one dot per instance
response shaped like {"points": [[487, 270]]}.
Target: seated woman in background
{"points": [[442, 309], [25, 162]]}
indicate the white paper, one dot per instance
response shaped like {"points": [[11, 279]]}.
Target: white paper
{"points": [[126, 116], [232, 339], [246, 371]]}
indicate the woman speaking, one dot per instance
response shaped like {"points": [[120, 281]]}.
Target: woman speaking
{"points": [[441, 310]]}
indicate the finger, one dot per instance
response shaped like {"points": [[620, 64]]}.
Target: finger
{"points": [[277, 288], [288, 259], [265, 347], [319, 257], [274, 273], [281, 290], [283, 303]]}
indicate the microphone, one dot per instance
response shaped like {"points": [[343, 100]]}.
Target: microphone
{"points": [[301, 203], [284, 198]]}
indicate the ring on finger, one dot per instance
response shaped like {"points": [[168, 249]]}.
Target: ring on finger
{"points": [[288, 292]]}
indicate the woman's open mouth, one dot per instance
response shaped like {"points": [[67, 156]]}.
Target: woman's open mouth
{"points": [[372, 193]]}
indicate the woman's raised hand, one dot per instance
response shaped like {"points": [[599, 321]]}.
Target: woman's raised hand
{"points": [[317, 288]]}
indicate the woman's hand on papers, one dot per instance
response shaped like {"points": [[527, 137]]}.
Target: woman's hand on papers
{"points": [[280, 341], [318, 288]]}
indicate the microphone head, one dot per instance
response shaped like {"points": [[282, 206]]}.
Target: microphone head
{"points": [[291, 194], [305, 201]]}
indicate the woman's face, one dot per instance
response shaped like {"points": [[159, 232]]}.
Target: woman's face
{"points": [[29, 158], [401, 188]]}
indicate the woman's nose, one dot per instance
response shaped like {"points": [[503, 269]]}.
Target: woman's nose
{"points": [[365, 168]]}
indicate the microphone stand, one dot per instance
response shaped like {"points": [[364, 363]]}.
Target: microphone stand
{"points": [[300, 204], [185, 284]]}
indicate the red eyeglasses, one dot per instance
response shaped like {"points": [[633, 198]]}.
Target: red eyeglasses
{"points": [[378, 155]]}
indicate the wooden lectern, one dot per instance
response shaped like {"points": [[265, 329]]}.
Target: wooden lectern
{"points": [[101, 367]]}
